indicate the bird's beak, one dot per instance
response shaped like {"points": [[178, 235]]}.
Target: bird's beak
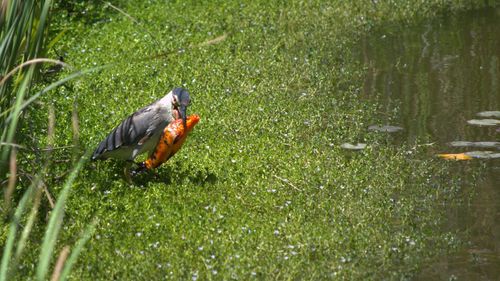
{"points": [[182, 111]]}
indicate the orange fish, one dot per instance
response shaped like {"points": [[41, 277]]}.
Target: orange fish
{"points": [[455, 156], [170, 142]]}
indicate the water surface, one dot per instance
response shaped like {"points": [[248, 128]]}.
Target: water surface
{"points": [[437, 76]]}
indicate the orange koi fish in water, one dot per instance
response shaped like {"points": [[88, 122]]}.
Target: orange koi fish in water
{"points": [[170, 142], [455, 156]]}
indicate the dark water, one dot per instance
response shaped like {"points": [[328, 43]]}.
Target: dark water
{"points": [[437, 76]]}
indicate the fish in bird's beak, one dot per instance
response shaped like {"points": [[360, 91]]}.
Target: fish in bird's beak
{"points": [[174, 135]]}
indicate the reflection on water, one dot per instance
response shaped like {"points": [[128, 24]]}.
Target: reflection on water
{"points": [[439, 75]]}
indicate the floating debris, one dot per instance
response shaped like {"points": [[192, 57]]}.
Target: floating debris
{"points": [[385, 129], [358, 146], [484, 122], [483, 154], [494, 114], [461, 143], [455, 156], [482, 144]]}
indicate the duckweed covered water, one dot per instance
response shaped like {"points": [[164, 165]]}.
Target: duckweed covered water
{"points": [[262, 189], [438, 76]]}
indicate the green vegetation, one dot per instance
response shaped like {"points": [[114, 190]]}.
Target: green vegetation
{"points": [[261, 188], [22, 35]]}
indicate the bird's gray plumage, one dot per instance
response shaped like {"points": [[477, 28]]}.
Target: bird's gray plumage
{"points": [[140, 132]]}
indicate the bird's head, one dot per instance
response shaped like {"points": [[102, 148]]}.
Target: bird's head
{"points": [[180, 102]]}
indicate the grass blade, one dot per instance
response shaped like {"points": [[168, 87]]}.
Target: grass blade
{"points": [[78, 248], [21, 243], [56, 274], [12, 179], [29, 225], [11, 128], [9, 244], [41, 27], [55, 222], [53, 86], [56, 39]]}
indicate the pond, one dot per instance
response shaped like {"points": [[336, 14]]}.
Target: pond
{"points": [[436, 77]]}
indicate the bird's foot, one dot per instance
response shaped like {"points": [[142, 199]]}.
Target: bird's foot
{"points": [[141, 168], [127, 175]]}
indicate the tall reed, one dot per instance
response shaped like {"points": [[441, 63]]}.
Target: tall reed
{"points": [[23, 26], [23, 31]]}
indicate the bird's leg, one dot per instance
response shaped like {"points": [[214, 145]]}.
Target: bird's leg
{"points": [[126, 171]]}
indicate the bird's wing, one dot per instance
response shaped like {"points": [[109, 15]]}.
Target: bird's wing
{"points": [[134, 130]]}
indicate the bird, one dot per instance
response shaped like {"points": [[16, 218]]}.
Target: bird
{"points": [[141, 131], [172, 139], [57, 67]]}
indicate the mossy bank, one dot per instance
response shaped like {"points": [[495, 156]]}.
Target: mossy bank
{"points": [[261, 189]]}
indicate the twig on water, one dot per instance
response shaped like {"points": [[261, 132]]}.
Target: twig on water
{"points": [[56, 148], [214, 41], [165, 53], [44, 186], [12, 144], [47, 193], [287, 182], [133, 20]]}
